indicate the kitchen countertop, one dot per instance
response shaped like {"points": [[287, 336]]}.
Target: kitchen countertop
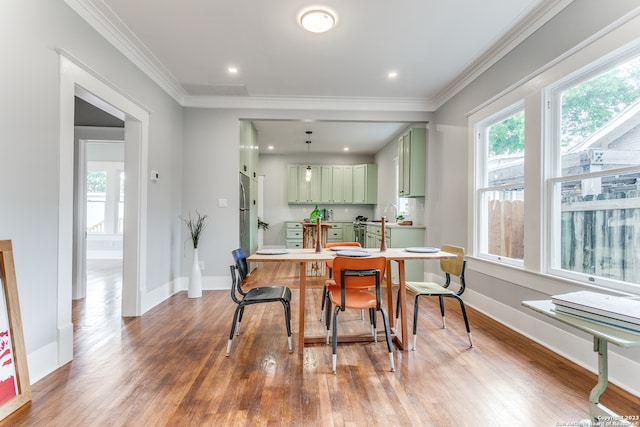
{"points": [[395, 225]]}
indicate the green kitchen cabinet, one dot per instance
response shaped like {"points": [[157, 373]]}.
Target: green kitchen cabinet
{"points": [[333, 184], [337, 184], [293, 235], [298, 189], [326, 184], [365, 184], [248, 149], [342, 184], [412, 163]]}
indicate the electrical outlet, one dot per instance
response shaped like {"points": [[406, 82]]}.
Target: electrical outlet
{"points": [[201, 265]]}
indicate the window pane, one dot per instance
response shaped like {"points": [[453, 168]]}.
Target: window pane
{"points": [[505, 223], [600, 233], [96, 201], [600, 121], [505, 162]]}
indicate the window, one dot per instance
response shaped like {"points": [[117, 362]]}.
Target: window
{"points": [[500, 190], [105, 197], [595, 169], [570, 136]]}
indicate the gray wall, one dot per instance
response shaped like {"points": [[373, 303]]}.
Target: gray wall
{"points": [[30, 33], [450, 147]]}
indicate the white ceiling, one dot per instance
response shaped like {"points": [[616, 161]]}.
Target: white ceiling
{"points": [[435, 46]]}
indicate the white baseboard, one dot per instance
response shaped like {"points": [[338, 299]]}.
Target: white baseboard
{"points": [[42, 362], [160, 294], [623, 372]]}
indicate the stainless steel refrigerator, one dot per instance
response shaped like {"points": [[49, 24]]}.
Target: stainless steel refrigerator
{"points": [[245, 209]]}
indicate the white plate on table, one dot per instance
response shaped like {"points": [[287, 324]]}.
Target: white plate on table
{"points": [[422, 250], [272, 251], [345, 248], [353, 253]]}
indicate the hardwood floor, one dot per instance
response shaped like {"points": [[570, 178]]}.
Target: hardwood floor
{"points": [[168, 367]]}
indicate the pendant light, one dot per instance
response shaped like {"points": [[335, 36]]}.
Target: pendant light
{"points": [[307, 176]]}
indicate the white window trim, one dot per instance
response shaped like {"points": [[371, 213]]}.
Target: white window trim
{"points": [[481, 144], [615, 40]]}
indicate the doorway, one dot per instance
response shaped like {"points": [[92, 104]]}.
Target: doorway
{"points": [[76, 81]]}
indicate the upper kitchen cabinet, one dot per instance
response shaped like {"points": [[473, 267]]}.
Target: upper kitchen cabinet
{"points": [[248, 149], [299, 190], [337, 184], [412, 163], [365, 184], [333, 184]]}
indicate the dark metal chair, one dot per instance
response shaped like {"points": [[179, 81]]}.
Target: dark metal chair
{"points": [[451, 267], [282, 294]]}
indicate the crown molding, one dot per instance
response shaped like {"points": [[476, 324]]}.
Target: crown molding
{"points": [[109, 26], [527, 26], [310, 103]]}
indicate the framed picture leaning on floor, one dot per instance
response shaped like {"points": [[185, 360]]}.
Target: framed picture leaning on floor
{"points": [[15, 389]]}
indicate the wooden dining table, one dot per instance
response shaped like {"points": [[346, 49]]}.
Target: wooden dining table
{"points": [[398, 255]]}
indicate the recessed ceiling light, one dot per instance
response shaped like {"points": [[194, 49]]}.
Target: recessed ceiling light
{"points": [[270, 147], [232, 70], [392, 75], [346, 148], [317, 20]]}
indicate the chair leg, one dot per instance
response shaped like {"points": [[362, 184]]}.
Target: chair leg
{"points": [[415, 321], [466, 320], [334, 355], [374, 326], [289, 316], [241, 307], [233, 327], [324, 293], [444, 321], [387, 333], [287, 322], [398, 306], [328, 317]]}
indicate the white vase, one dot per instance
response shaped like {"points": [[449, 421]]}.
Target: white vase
{"points": [[195, 279]]}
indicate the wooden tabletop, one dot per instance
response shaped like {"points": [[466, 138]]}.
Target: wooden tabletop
{"points": [[309, 254]]}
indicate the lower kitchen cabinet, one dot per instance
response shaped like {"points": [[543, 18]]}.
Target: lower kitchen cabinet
{"points": [[399, 237], [293, 231]]}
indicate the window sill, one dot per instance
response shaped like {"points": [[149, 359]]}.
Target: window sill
{"points": [[540, 282]]}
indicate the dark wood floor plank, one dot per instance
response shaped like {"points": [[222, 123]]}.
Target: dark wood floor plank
{"points": [[168, 367]]}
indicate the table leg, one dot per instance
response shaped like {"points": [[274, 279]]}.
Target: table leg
{"points": [[390, 308], [303, 280], [600, 413], [403, 339]]}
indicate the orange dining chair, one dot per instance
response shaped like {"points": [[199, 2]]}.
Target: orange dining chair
{"points": [[450, 267], [330, 268], [282, 294], [353, 276]]}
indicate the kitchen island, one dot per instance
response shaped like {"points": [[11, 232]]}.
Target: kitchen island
{"points": [[309, 241]]}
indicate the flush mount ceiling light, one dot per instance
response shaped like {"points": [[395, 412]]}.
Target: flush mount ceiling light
{"points": [[317, 20]]}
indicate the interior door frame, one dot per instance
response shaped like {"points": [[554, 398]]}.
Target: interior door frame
{"points": [[85, 135], [76, 80]]}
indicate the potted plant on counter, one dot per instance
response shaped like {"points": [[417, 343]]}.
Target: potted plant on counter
{"points": [[195, 226]]}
